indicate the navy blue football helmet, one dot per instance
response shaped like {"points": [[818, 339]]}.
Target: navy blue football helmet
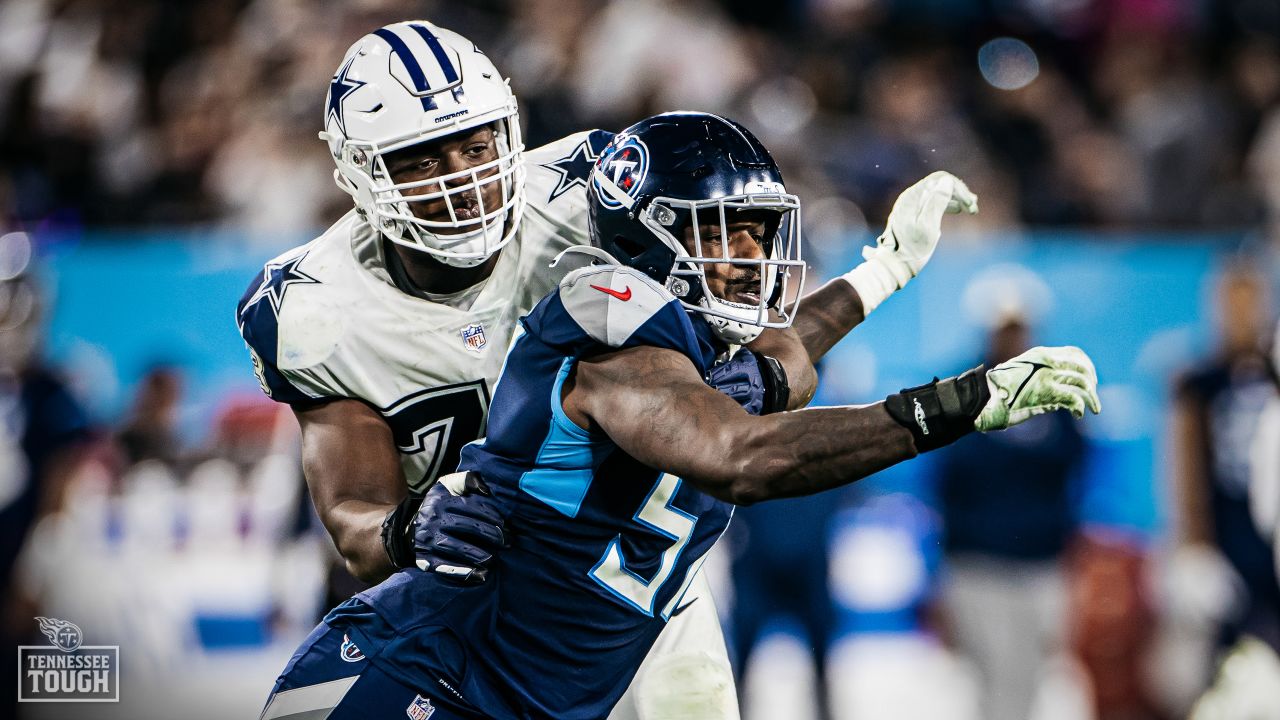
{"points": [[663, 186]]}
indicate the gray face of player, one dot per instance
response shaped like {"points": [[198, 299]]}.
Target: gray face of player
{"points": [[454, 153]]}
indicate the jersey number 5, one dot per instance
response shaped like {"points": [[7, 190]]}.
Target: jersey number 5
{"points": [[439, 421], [658, 514]]}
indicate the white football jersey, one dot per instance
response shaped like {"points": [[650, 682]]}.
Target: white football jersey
{"points": [[324, 320]]}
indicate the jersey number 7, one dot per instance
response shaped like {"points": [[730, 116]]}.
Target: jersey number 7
{"points": [[438, 421]]}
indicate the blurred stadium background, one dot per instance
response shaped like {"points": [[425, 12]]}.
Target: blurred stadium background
{"points": [[1127, 156]]}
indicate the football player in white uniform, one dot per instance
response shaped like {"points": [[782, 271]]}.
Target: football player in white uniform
{"points": [[386, 333]]}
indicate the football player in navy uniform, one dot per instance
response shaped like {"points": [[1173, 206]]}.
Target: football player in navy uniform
{"points": [[1225, 443], [611, 465], [44, 437], [386, 334]]}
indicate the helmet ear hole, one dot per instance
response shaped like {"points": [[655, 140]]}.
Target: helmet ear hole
{"points": [[629, 247], [655, 262]]}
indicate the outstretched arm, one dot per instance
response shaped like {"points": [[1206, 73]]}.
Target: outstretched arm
{"points": [[652, 403]]}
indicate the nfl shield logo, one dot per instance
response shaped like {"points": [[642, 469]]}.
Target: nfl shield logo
{"points": [[420, 709], [473, 337]]}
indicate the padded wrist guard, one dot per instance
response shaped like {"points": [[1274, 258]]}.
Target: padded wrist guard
{"points": [[777, 392], [397, 532], [943, 411]]}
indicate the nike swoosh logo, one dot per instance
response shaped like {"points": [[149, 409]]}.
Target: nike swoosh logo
{"points": [[1020, 372], [624, 296], [683, 607], [1035, 368]]}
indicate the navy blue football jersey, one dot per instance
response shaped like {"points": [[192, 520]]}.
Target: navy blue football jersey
{"points": [[603, 546]]}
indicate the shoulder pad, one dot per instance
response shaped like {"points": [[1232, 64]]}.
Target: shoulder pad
{"points": [[258, 319], [612, 302], [586, 144], [566, 163]]}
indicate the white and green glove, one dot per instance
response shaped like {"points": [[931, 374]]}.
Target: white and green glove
{"points": [[1040, 380], [910, 237]]}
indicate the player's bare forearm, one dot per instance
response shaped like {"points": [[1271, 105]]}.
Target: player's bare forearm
{"points": [[826, 315], [652, 404], [786, 346], [354, 476], [356, 529], [816, 449]]}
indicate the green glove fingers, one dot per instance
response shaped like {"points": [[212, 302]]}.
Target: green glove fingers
{"points": [[1040, 380]]}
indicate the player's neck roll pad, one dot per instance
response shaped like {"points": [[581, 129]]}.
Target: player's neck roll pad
{"points": [[943, 411]]}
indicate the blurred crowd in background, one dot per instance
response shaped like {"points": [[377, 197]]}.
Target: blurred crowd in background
{"points": [[1142, 113], [988, 594]]}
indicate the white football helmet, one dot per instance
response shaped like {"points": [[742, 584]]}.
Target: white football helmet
{"points": [[414, 82]]}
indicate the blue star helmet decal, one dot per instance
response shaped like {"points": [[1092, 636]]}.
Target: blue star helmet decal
{"points": [[575, 168], [339, 88], [276, 279]]}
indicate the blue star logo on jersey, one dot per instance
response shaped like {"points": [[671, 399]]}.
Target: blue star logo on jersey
{"points": [[276, 279], [339, 88], [573, 169]]}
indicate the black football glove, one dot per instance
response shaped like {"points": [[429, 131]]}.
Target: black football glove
{"points": [[458, 529]]}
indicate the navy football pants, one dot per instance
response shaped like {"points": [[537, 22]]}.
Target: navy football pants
{"points": [[329, 678]]}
